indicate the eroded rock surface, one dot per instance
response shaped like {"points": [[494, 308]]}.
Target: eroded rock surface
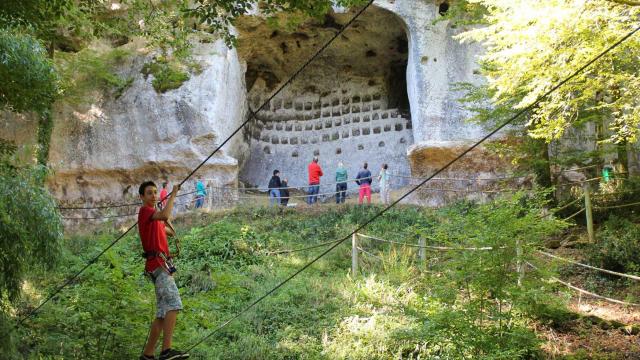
{"points": [[102, 151]]}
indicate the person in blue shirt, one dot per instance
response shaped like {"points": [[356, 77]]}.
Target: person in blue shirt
{"points": [[364, 180], [274, 188], [201, 192]]}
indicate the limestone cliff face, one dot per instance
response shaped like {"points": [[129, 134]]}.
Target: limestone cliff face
{"points": [[101, 152]]}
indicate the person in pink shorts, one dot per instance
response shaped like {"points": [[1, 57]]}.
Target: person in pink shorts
{"points": [[364, 180]]}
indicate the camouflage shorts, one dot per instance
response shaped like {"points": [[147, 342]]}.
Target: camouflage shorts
{"points": [[167, 296]]}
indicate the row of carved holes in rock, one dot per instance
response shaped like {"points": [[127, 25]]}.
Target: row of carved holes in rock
{"points": [[309, 105], [327, 123], [325, 114], [295, 153], [326, 137]]}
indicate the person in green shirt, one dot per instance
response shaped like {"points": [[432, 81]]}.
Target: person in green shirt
{"points": [[341, 183]]}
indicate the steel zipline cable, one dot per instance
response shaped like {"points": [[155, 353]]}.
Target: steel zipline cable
{"points": [[383, 211], [251, 116]]}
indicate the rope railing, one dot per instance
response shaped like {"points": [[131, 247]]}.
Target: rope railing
{"points": [[634, 277], [586, 292], [574, 214], [99, 217], [616, 206], [497, 178], [97, 207], [428, 247]]}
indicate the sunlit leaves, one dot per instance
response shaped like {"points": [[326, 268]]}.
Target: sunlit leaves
{"points": [[532, 45]]}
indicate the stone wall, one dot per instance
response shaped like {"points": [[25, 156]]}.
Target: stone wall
{"points": [[352, 129]]}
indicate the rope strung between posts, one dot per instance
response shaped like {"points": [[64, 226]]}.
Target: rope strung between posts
{"points": [[463, 179], [576, 169], [583, 291], [637, 278], [580, 182], [429, 247], [436, 173], [111, 206], [251, 116], [615, 206], [569, 204], [99, 217], [573, 215], [302, 249]]}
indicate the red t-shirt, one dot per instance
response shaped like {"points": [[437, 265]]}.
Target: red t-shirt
{"points": [[315, 172], [163, 196], [153, 237]]}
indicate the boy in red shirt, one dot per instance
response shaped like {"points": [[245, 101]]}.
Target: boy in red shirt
{"points": [[153, 235]]}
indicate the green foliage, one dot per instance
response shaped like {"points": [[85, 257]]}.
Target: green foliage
{"points": [[617, 246], [90, 70], [30, 227], [29, 81], [532, 45], [220, 15], [167, 75], [481, 307]]}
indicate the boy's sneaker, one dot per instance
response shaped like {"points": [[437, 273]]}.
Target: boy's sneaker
{"points": [[171, 354], [147, 357]]}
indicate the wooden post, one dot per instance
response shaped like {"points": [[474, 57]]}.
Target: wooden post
{"points": [[587, 207], [519, 267], [354, 254], [422, 252], [210, 196]]}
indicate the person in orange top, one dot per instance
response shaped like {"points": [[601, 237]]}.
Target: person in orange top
{"points": [[164, 195], [153, 236], [315, 172]]}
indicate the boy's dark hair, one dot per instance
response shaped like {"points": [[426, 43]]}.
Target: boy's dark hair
{"points": [[164, 184], [276, 172], [385, 166], [144, 186], [366, 165]]}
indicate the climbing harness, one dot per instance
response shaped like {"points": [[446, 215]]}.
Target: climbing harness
{"points": [[167, 261]]}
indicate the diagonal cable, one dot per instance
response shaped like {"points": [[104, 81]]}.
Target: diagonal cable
{"points": [[383, 211]]}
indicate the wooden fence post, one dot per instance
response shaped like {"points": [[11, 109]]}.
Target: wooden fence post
{"points": [[210, 197], [354, 254], [519, 267], [587, 207]]}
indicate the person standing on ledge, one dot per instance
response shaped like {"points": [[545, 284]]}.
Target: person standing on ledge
{"points": [[383, 178], [201, 192], [364, 180], [284, 193], [153, 236], [164, 194], [315, 172], [274, 188], [341, 183]]}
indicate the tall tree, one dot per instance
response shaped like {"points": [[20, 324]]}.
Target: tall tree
{"points": [[532, 45]]}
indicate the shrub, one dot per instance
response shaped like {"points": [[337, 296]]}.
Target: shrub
{"points": [[617, 246], [29, 80], [166, 75]]}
